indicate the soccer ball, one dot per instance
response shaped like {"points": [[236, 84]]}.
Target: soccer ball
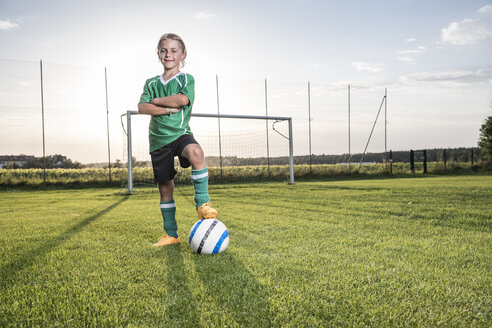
{"points": [[208, 236]]}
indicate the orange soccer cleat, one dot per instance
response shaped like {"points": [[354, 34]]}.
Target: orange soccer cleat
{"points": [[167, 240], [206, 212]]}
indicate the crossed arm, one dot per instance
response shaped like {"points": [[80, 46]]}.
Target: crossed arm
{"points": [[164, 105]]}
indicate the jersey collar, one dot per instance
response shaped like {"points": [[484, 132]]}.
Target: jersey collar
{"points": [[166, 82]]}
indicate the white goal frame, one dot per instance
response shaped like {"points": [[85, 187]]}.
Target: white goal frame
{"points": [[129, 114]]}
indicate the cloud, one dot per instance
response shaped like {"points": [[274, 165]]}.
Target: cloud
{"points": [[469, 30], [362, 84], [407, 59], [419, 50], [405, 55], [485, 9], [411, 40], [363, 66], [205, 15], [455, 77], [7, 25]]}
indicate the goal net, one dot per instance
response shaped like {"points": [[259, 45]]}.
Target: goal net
{"points": [[238, 148]]}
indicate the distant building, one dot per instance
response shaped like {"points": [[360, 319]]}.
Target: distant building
{"points": [[14, 160]]}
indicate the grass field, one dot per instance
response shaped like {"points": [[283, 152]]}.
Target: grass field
{"points": [[353, 253]]}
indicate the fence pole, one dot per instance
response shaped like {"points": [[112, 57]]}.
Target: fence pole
{"points": [[385, 127], [391, 162], [218, 121], [309, 115], [425, 161], [349, 127], [266, 123], [372, 130], [412, 162], [107, 120], [42, 121], [445, 157]]}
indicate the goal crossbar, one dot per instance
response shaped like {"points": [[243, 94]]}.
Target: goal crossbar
{"points": [[250, 117]]}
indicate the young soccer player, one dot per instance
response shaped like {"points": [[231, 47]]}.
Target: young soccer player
{"points": [[168, 99]]}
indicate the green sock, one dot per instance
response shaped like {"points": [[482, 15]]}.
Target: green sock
{"points": [[200, 182], [168, 210]]}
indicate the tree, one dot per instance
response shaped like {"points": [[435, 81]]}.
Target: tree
{"points": [[485, 139], [117, 164], [53, 162]]}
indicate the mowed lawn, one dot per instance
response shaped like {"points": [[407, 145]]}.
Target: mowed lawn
{"points": [[352, 253]]}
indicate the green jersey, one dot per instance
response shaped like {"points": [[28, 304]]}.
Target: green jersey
{"points": [[165, 129]]}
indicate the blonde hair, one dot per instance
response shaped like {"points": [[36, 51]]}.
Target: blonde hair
{"points": [[175, 37]]}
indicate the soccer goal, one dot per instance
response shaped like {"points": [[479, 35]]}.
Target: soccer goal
{"points": [[238, 148]]}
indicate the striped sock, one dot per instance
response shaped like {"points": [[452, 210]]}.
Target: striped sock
{"points": [[200, 182], [168, 210]]}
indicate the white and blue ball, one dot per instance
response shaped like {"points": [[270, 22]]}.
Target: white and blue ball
{"points": [[208, 236]]}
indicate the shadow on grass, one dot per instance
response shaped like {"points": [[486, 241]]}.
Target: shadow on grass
{"points": [[241, 298], [182, 309], [29, 257]]}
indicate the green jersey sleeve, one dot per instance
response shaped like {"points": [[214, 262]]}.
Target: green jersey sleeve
{"points": [[188, 89], [147, 94]]}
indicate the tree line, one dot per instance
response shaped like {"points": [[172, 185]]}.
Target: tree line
{"points": [[461, 155]]}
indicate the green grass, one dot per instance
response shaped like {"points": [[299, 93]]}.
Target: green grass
{"points": [[364, 253]]}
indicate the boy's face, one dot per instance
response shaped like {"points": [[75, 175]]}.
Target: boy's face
{"points": [[171, 55]]}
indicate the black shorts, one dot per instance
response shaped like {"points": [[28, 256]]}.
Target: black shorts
{"points": [[163, 158]]}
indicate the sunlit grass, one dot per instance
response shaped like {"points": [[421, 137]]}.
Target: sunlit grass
{"points": [[380, 253]]}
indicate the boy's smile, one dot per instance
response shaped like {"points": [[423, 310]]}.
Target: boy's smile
{"points": [[171, 55]]}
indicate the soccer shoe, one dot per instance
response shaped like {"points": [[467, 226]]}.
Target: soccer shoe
{"points": [[167, 240], [206, 212]]}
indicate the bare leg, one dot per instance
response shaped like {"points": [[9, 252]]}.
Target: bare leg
{"points": [[166, 190]]}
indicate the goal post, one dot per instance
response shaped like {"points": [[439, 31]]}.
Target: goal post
{"points": [[130, 150]]}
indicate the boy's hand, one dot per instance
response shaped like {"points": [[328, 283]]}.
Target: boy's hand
{"points": [[173, 110], [165, 111]]}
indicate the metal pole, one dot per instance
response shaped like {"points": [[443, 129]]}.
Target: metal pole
{"points": [[425, 161], [42, 121], [129, 149], [309, 114], [385, 128], [107, 121], [372, 130], [412, 161], [391, 161], [218, 121], [291, 152], [349, 126], [266, 123]]}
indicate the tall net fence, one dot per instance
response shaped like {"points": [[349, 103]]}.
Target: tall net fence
{"points": [[72, 100], [49, 109]]}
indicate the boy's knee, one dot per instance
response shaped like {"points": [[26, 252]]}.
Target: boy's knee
{"points": [[195, 153]]}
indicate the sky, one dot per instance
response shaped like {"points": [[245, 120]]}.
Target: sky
{"points": [[432, 57]]}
